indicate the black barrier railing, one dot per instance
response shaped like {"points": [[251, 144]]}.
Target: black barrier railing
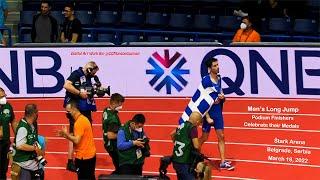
{"points": [[63, 44], [222, 37], [170, 44], [277, 44]]}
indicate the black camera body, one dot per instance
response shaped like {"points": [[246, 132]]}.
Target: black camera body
{"points": [[146, 150], [98, 89], [40, 159], [101, 91]]}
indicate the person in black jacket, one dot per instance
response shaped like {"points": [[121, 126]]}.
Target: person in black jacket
{"points": [[71, 31], [44, 26]]}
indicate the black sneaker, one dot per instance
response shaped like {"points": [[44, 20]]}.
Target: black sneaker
{"points": [[72, 167]]}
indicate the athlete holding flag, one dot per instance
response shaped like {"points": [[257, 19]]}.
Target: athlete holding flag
{"points": [[208, 101]]}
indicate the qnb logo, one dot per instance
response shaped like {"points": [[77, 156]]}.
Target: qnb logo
{"points": [[167, 71]]}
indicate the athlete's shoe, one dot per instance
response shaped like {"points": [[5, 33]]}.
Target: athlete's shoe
{"points": [[72, 167], [226, 165]]}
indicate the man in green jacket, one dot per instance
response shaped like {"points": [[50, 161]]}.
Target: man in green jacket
{"points": [[133, 146], [110, 126], [26, 148], [185, 141], [6, 118]]}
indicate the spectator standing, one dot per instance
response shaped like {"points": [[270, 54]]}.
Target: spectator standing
{"points": [[71, 28], [3, 13], [3, 17], [44, 26]]}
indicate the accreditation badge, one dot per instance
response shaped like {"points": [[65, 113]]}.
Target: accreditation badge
{"points": [[138, 153]]}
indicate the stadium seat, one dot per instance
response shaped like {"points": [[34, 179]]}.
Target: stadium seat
{"points": [[314, 3], [263, 28], [182, 39], [106, 37], [132, 18], [30, 5], [182, 21], [305, 26], [25, 35], [157, 38], [87, 37], [206, 39], [229, 23], [107, 17], [26, 17], [25, 38], [157, 19], [59, 16], [86, 17], [131, 38], [85, 6], [280, 25], [204, 22]]}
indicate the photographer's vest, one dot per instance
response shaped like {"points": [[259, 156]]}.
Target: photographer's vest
{"points": [[32, 136], [109, 117], [129, 156], [6, 118], [183, 144], [88, 104]]}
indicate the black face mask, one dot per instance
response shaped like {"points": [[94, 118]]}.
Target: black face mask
{"points": [[69, 116]]}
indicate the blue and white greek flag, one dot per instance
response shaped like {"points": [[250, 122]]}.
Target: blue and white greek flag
{"points": [[205, 96]]}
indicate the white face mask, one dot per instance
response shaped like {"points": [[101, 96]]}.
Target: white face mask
{"points": [[139, 129], [118, 108], [243, 26], [3, 100]]}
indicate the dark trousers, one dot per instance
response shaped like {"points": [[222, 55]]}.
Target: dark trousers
{"points": [[32, 175], [183, 171], [115, 160], [4, 161], [87, 168], [131, 169]]}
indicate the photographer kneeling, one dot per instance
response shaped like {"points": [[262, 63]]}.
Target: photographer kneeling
{"points": [[133, 146], [28, 154], [185, 143]]}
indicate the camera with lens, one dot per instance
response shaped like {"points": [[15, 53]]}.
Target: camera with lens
{"points": [[146, 150], [40, 159], [96, 88], [101, 91]]}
